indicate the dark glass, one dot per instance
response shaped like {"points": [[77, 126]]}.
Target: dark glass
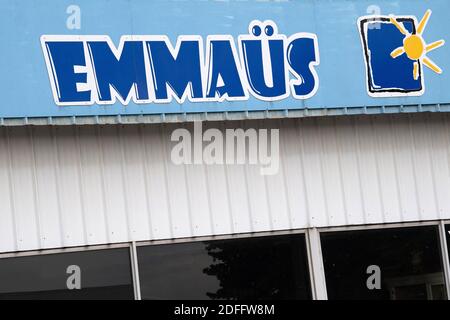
{"points": [[105, 274], [246, 268], [447, 236], [409, 260]]}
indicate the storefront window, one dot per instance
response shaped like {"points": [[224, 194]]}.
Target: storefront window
{"points": [[99, 274], [391, 264], [447, 236], [247, 268]]}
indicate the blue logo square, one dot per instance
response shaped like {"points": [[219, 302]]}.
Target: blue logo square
{"points": [[387, 76]]}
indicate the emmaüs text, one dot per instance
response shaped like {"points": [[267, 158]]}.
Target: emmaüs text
{"points": [[269, 66]]}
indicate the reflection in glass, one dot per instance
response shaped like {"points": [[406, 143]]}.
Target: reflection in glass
{"points": [[104, 274], [250, 268], [409, 260]]}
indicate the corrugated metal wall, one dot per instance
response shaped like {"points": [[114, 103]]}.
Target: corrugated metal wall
{"points": [[81, 185]]}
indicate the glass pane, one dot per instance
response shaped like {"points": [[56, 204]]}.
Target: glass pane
{"points": [[409, 262], [447, 235], [102, 274], [250, 268]]}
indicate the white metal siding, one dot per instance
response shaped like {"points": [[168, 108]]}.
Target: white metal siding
{"points": [[83, 185]]}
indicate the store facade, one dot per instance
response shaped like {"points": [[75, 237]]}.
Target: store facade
{"points": [[338, 109]]}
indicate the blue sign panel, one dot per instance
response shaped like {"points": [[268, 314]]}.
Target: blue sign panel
{"points": [[395, 53], [123, 57]]}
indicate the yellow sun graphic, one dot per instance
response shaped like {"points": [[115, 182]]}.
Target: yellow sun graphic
{"points": [[415, 47]]}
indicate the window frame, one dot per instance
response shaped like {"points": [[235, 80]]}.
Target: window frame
{"points": [[77, 249], [312, 242], [232, 237], [440, 224]]}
